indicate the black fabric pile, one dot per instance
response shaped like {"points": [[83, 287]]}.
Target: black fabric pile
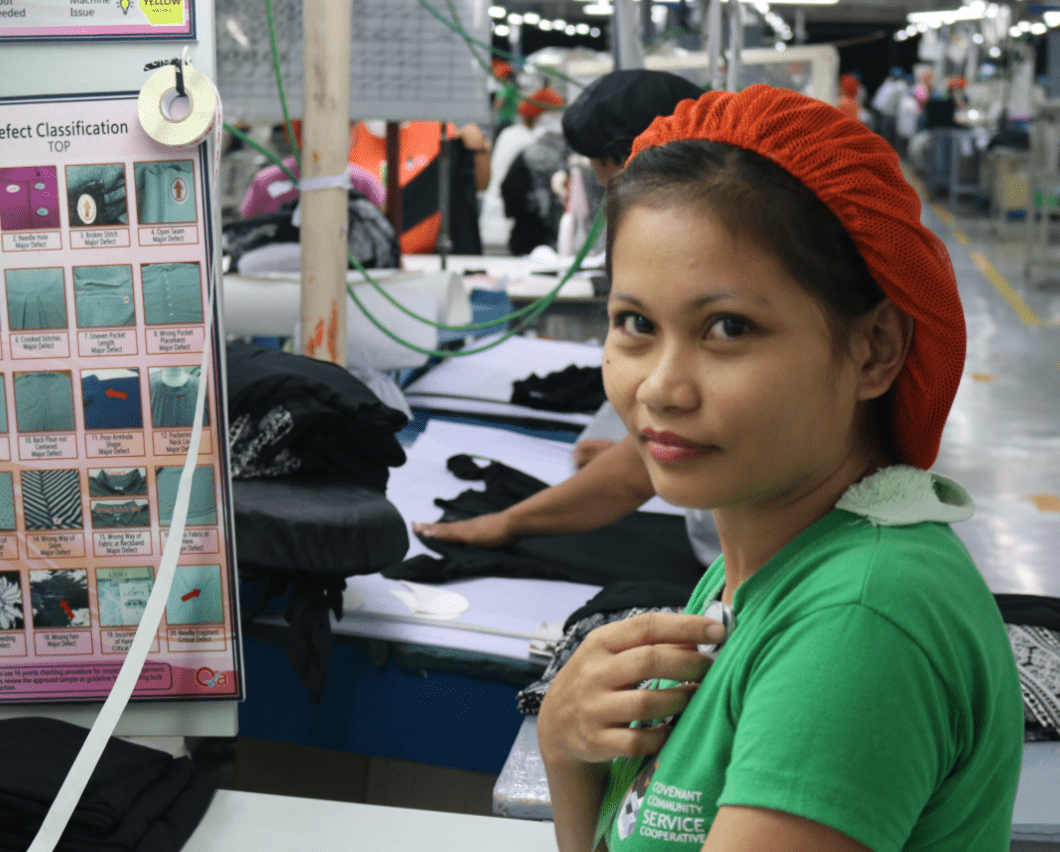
{"points": [[138, 799], [312, 449], [339, 425], [1033, 626], [640, 545], [572, 389]]}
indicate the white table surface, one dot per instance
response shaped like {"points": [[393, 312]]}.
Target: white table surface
{"points": [[252, 822]]}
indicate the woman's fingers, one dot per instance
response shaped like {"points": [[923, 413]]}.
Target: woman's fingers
{"points": [[654, 628]]}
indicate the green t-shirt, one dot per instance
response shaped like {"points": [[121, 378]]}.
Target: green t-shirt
{"points": [[867, 684]]}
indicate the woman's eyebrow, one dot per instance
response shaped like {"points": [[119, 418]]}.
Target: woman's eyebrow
{"points": [[699, 302]]}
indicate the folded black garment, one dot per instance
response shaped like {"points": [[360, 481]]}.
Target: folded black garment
{"points": [[340, 427], [628, 594], [1030, 610], [572, 389], [138, 799], [640, 545]]}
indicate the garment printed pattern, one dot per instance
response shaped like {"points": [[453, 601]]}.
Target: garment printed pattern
{"points": [[201, 508], [29, 198], [36, 299], [44, 402], [174, 405], [52, 499], [164, 192], [128, 484], [133, 513], [7, 501], [112, 403], [172, 293], [103, 296]]}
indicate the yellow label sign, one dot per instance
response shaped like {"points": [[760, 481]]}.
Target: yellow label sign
{"points": [[163, 12]]}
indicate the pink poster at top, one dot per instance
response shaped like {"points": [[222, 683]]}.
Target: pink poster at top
{"points": [[74, 20]]}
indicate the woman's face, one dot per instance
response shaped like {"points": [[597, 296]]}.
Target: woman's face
{"points": [[721, 366]]}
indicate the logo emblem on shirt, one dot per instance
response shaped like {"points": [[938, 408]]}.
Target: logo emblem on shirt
{"points": [[86, 209], [178, 190], [626, 822]]}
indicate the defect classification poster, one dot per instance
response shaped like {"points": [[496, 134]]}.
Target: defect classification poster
{"points": [[104, 252]]}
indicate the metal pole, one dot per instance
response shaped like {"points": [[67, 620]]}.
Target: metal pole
{"points": [[393, 176], [326, 145], [445, 244], [713, 26], [627, 49], [735, 44]]}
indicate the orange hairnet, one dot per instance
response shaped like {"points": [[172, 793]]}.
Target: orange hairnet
{"points": [[539, 101], [855, 174]]}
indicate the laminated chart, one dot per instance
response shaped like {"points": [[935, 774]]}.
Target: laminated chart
{"points": [[104, 261], [404, 63]]}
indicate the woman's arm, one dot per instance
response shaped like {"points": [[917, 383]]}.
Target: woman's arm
{"points": [[742, 829], [607, 489]]}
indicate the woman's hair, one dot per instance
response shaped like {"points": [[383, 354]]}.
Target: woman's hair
{"points": [[756, 200]]}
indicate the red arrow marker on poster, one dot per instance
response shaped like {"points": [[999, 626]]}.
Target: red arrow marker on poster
{"points": [[66, 608], [194, 593], [115, 394]]}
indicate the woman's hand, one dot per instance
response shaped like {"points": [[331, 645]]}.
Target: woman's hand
{"points": [[587, 710], [492, 530]]}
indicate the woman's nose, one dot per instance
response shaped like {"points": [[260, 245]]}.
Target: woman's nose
{"points": [[669, 383]]}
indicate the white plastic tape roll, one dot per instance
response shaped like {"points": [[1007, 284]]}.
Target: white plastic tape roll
{"points": [[160, 90]]}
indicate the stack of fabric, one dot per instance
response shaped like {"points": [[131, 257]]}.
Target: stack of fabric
{"points": [[311, 450], [138, 799]]}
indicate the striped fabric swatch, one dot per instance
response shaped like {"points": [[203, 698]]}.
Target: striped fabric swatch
{"points": [[52, 499]]}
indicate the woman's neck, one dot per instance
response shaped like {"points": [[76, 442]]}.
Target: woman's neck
{"points": [[752, 535]]}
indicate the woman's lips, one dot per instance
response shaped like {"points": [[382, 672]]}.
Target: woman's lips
{"points": [[666, 447]]}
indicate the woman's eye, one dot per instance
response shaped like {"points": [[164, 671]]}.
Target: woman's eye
{"points": [[632, 323], [729, 328]]}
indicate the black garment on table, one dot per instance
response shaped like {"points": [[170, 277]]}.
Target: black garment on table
{"points": [[370, 237], [640, 545], [528, 197], [138, 799], [419, 199], [1030, 610], [340, 426], [1033, 625], [578, 389], [626, 594]]}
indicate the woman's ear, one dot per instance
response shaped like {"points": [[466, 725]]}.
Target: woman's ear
{"points": [[884, 336]]}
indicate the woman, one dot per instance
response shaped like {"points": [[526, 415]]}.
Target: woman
{"points": [[786, 340]]}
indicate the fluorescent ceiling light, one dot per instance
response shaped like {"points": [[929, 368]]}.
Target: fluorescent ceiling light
{"points": [[800, 2], [595, 32], [544, 25], [1052, 19], [531, 18], [598, 9], [569, 29], [515, 19], [558, 24], [582, 29], [497, 12], [1038, 29], [502, 29]]}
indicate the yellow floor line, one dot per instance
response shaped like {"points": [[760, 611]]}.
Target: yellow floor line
{"points": [[961, 236], [942, 213], [1021, 308]]}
